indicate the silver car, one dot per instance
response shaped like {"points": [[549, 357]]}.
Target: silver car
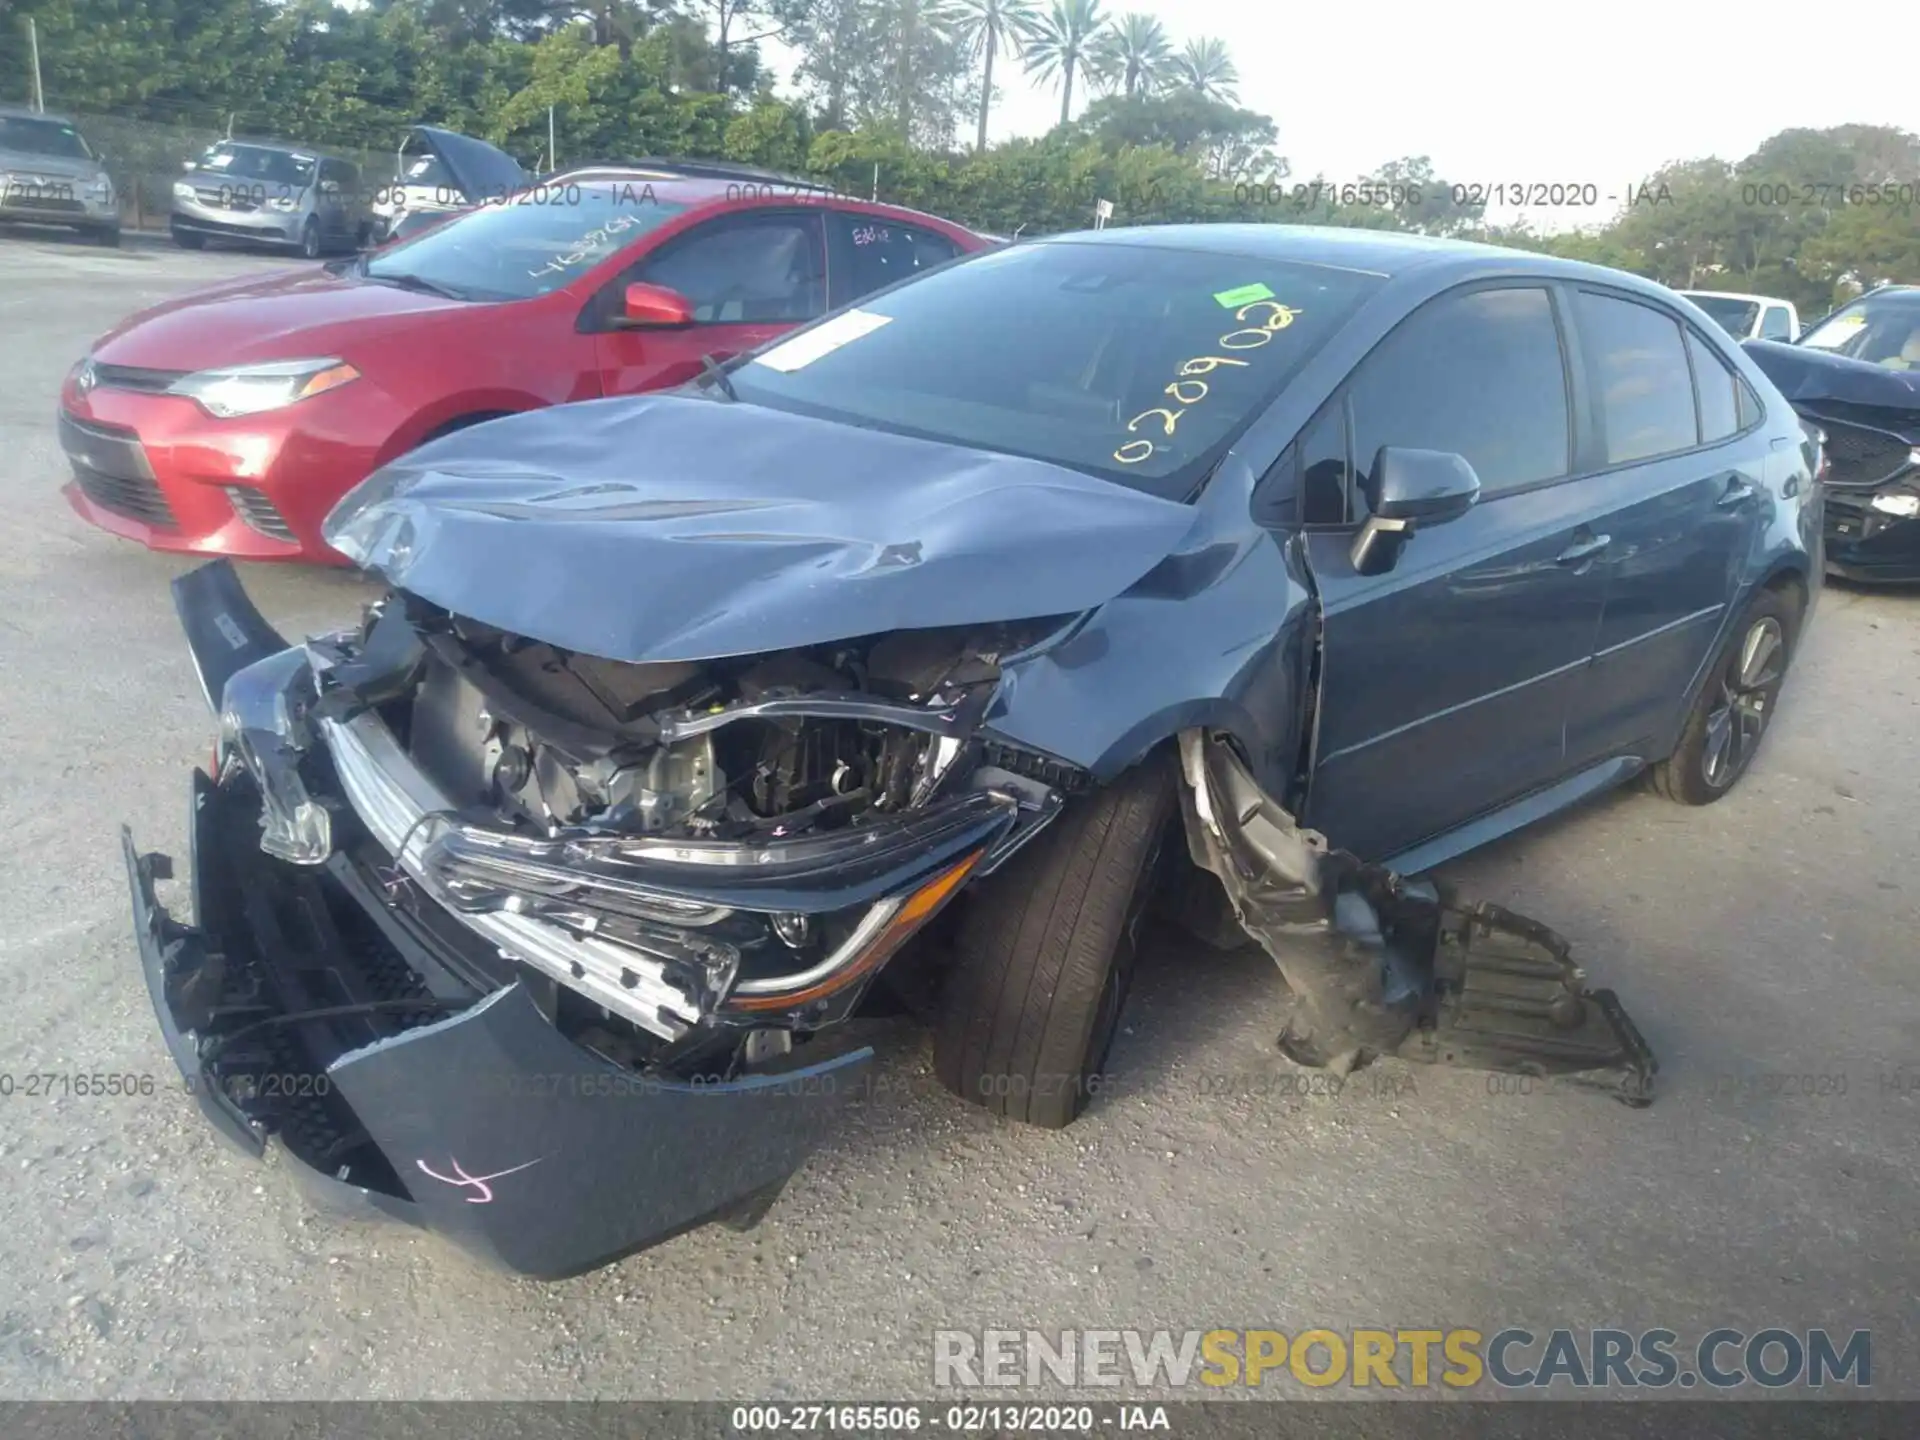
{"points": [[50, 176], [269, 195]]}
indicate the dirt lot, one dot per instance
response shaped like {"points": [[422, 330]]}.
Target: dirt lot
{"points": [[1766, 945]]}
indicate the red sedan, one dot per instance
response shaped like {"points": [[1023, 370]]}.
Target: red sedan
{"points": [[231, 420]]}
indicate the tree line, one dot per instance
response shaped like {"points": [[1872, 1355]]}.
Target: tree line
{"points": [[903, 90]]}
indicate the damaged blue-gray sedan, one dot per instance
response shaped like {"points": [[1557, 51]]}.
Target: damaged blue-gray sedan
{"points": [[1250, 569]]}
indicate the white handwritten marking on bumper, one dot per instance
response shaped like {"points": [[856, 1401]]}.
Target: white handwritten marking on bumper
{"points": [[460, 1179]]}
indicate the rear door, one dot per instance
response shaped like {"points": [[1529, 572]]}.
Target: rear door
{"points": [[1445, 682], [751, 276], [1676, 448]]}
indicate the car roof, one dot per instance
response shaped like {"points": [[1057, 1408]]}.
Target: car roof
{"points": [[1389, 253], [1737, 295], [690, 190], [27, 112]]}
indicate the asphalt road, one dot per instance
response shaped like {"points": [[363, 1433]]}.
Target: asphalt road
{"points": [[1766, 946]]}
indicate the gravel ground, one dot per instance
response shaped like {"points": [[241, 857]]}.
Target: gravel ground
{"points": [[1769, 936]]}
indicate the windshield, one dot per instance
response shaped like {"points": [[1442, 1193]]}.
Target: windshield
{"points": [[32, 135], [1882, 330], [529, 244], [1132, 362], [251, 162], [1736, 317]]}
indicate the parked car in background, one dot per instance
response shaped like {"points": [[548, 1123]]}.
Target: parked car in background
{"points": [[1288, 558], [439, 173], [266, 194], [49, 175], [1856, 376], [229, 421], [1749, 317]]}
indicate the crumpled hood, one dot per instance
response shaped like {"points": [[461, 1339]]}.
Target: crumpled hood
{"points": [[1804, 374], [674, 527]]}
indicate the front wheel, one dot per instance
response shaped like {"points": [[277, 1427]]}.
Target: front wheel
{"points": [[310, 239], [1735, 706], [189, 239], [1044, 955]]}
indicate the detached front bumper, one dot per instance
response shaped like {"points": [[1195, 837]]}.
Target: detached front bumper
{"points": [[292, 1023], [415, 1011]]}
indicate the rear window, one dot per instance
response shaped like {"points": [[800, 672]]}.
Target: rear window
{"points": [[1132, 362], [1734, 316]]}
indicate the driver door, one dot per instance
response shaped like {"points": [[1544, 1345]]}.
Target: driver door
{"points": [[1446, 681], [751, 277]]}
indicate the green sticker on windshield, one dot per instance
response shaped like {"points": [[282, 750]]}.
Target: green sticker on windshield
{"points": [[1244, 295]]}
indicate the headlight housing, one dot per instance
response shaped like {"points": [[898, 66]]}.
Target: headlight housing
{"points": [[284, 202], [250, 389], [182, 190], [1905, 504]]}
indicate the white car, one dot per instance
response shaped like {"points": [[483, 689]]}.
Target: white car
{"points": [[1749, 317]]}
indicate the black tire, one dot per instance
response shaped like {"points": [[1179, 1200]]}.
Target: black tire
{"points": [[1044, 955], [189, 239], [310, 246], [1734, 709], [108, 235]]}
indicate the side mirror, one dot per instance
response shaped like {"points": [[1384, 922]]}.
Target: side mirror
{"points": [[1408, 489], [654, 307]]}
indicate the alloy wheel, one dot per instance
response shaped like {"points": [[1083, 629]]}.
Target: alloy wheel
{"points": [[1749, 686]]}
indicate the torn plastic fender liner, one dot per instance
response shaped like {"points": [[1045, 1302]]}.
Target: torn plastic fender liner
{"points": [[495, 1130], [1384, 965]]}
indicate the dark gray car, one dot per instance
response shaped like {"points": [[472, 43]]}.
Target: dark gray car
{"points": [[1250, 569], [270, 195], [49, 175]]}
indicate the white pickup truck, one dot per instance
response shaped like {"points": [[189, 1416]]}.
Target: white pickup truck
{"points": [[1749, 317]]}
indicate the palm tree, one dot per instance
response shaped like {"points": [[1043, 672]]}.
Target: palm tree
{"points": [[1061, 43], [1134, 52], [1206, 68], [987, 27]]}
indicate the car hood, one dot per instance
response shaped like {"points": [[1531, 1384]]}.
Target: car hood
{"points": [[676, 527], [1813, 375], [478, 170], [277, 316], [53, 167]]}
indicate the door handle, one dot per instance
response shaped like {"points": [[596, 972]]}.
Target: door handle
{"points": [[1737, 493], [1583, 550]]}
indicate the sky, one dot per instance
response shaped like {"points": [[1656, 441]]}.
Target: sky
{"points": [[1499, 92]]}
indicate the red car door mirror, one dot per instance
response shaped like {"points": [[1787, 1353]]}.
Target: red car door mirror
{"points": [[654, 307]]}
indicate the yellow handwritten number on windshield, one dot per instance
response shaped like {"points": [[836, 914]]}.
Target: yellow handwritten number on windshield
{"points": [[1189, 391]]}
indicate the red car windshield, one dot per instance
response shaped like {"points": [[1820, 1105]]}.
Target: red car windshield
{"points": [[527, 244]]}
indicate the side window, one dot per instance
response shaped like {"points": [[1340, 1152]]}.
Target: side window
{"points": [[881, 251], [1773, 325], [1718, 388], [745, 270], [1480, 375], [1640, 376], [1749, 404]]}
